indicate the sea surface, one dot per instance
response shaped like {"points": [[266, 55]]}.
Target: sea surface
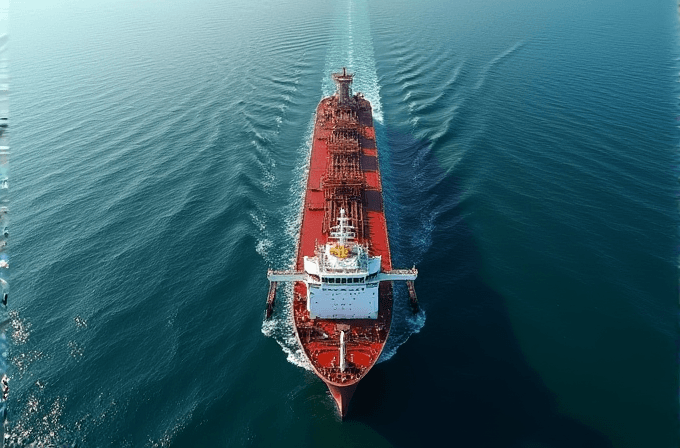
{"points": [[529, 155]]}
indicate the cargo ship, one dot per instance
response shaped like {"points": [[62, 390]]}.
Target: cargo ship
{"points": [[342, 278]]}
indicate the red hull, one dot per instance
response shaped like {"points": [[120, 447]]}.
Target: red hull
{"points": [[319, 338], [342, 396]]}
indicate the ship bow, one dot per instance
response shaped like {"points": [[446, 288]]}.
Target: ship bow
{"points": [[342, 396]]}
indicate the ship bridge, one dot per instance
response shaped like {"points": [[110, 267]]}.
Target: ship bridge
{"points": [[342, 279]]}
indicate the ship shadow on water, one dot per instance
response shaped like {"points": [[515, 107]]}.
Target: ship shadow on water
{"points": [[463, 380]]}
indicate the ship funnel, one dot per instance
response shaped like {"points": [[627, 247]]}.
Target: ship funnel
{"points": [[343, 81]]}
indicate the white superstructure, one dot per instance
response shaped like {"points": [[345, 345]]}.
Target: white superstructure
{"points": [[342, 283], [342, 278]]}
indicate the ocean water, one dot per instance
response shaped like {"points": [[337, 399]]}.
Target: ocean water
{"points": [[529, 155]]}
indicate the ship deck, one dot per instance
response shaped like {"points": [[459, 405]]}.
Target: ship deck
{"points": [[365, 338]]}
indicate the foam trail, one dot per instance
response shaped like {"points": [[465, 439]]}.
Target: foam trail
{"points": [[280, 325], [404, 323], [352, 47]]}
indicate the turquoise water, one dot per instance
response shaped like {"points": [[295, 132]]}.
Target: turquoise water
{"points": [[529, 160]]}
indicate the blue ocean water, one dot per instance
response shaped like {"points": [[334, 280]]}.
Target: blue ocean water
{"points": [[529, 159]]}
